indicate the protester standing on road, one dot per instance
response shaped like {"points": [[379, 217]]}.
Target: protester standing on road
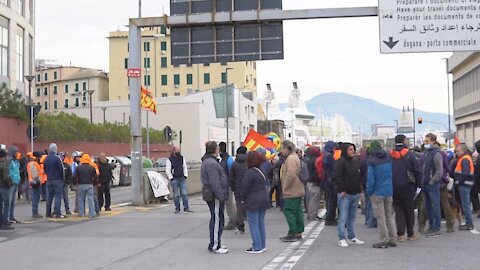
{"points": [[5, 184], [104, 180], [407, 176], [313, 184], [215, 193], [53, 168], [68, 181], [347, 180], [432, 178], [86, 178], [14, 172], [476, 188], [380, 191], [177, 172], [34, 174], [332, 198], [76, 161], [293, 191], [463, 174], [254, 196], [226, 162], [239, 168]]}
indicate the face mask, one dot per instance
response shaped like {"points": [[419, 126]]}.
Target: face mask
{"points": [[427, 146]]}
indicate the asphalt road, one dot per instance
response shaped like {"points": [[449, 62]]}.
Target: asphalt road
{"points": [[156, 238]]}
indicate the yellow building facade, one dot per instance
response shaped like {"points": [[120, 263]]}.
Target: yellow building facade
{"points": [[59, 88], [164, 79]]}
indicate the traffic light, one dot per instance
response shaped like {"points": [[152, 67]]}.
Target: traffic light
{"points": [[420, 120]]}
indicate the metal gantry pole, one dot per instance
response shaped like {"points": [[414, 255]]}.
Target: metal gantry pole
{"points": [[448, 100], [31, 113], [135, 115], [414, 124]]}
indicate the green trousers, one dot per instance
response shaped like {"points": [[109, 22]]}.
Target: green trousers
{"points": [[293, 213]]}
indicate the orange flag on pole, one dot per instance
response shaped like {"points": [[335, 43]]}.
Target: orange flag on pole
{"points": [[147, 101], [255, 140]]}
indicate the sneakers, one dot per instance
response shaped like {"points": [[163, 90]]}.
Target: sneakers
{"points": [[331, 223], [392, 244], [220, 251], [380, 245], [229, 227], [299, 237], [432, 234], [59, 216], [413, 238], [252, 251], [37, 215], [177, 211], [401, 238], [13, 221], [108, 209], [240, 231], [343, 243], [466, 227], [355, 241], [68, 213], [187, 211], [289, 238]]}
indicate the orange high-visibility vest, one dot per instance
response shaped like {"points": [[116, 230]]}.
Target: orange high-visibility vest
{"points": [[44, 176], [34, 170], [458, 168]]}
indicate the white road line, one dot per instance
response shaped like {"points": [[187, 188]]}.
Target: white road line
{"points": [[288, 251], [121, 204], [293, 260]]}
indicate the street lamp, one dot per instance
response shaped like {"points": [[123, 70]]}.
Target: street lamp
{"points": [[90, 93], [30, 79], [448, 100], [267, 104], [104, 109], [226, 103]]}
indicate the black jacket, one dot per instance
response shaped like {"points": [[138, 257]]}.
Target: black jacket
{"points": [[106, 175], [254, 192], [238, 170], [346, 173], [85, 174]]}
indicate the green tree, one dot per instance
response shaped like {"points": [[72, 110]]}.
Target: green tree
{"points": [[12, 104]]}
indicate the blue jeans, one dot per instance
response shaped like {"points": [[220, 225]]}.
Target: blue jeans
{"points": [[86, 190], [35, 195], [179, 186], [347, 206], [65, 197], [4, 204], [95, 200], [370, 219], [217, 221], [54, 190], [256, 223], [432, 203], [466, 203], [13, 198]]}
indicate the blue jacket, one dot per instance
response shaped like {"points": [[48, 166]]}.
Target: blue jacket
{"points": [[379, 179], [14, 171], [53, 167], [328, 161]]}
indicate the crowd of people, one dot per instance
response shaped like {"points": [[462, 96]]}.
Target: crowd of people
{"points": [[49, 176], [389, 185]]}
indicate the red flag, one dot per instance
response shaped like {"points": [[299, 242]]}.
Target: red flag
{"points": [[456, 141], [255, 140]]}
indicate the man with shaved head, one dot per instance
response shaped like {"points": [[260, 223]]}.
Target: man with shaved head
{"points": [[177, 173], [105, 177]]}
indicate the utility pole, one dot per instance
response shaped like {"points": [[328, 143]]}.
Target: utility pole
{"points": [[414, 123], [226, 105], [30, 79], [448, 98]]}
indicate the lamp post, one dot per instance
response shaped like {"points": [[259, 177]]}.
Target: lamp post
{"points": [[90, 93], [30, 79], [104, 120], [448, 100], [414, 123], [226, 105], [269, 88]]}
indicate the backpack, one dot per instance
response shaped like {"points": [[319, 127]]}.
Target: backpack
{"points": [[319, 168], [304, 175]]}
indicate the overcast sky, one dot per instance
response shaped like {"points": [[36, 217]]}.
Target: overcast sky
{"points": [[321, 55]]}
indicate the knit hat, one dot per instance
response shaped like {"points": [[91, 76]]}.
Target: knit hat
{"points": [[400, 139], [374, 147], [53, 148]]}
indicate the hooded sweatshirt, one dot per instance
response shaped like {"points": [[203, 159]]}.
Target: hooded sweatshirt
{"points": [[346, 173], [404, 160], [238, 170], [214, 177], [85, 173], [328, 161], [379, 178]]}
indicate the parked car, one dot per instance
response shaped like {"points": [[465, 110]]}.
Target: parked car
{"points": [[125, 177], [160, 163]]}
